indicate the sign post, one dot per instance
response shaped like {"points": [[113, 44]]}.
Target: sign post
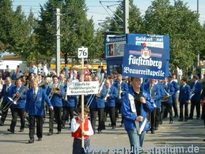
{"points": [[82, 53]]}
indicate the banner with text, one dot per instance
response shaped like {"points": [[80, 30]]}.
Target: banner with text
{"points": [[82, 88], [144, 62]]}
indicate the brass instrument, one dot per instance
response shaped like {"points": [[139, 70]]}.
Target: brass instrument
{"points": [[55, 90], [97, 95], [107, 95], [1, 102], [13, 100], [42, 84], [192, 93], [65, 98], [119, 92], [166, 97], [100, 89]]}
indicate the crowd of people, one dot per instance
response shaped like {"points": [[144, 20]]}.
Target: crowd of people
{"points": [[139, 105]]}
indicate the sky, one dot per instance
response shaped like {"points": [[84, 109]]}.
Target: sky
{"points": [[99, 11]]}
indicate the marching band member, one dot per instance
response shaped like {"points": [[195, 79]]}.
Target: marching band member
{"points": [[154, 90], [196, 87], [36, 96], [97, 105], [56, 93], [6, 92], [110, 98], [121, 87], [69, 105], [174, 96], [167, 106], [159, 105], [184, 98], [19, 101], [136, 103]]}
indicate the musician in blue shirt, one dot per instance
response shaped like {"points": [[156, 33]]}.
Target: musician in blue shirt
{"points": [[19, 101], [5, 94], [36, 96], [184, 98], [174, 96], [122, 87], [55, 93], [196, 87], [136, 103], [110, 98], [69, 105], [167, 106]]}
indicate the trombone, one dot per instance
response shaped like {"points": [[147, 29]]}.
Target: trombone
{"points": [[54, 90], [13, 100], [97, 95]]}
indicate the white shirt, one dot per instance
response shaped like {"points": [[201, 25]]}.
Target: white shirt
{"points": [[75, 126]]}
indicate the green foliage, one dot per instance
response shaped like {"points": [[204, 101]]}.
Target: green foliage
{"points": [[115, 23], [181, 24], [13, 27]]}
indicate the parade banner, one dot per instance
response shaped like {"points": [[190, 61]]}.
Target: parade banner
{"points": [[150, 40], [144, 62], [82, 88], [114, 46]]}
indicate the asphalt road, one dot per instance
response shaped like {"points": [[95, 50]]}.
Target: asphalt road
{"points": [[179, 137]]}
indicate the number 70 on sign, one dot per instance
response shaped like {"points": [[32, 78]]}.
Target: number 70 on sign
{"points": [[82, 52]]}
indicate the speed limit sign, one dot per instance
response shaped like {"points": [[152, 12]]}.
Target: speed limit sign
{"points": [[82, 52]]}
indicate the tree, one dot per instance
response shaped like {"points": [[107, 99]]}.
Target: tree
{"points": [[45, 30], [13, 30], [115, 23], [181, 24], [77, 30]]}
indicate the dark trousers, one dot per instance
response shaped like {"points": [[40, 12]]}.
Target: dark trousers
{"points": [[67, 112], [174, 105], [77, 146], [101, 122], [15, 113], [38, 120], [93, 116], [152, 118], [111, 111], [193, 104], [169, 110], [5, 112], [157, 117], [117, 109], [185, 107], [57, 113], [163, 108], [203, 113]]}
